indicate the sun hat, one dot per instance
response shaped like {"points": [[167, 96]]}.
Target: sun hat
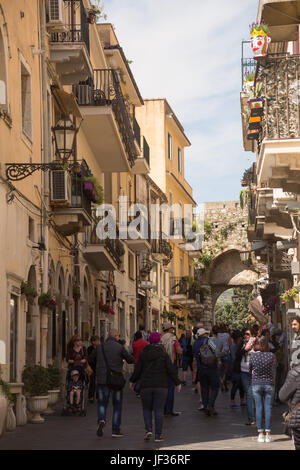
{"points": [[154, 337], [167, 326], [202, 332], [74, 372]]}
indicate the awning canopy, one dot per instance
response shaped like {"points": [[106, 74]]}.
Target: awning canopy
{"points": [[256, 309], [67, 102], [283, 18]]}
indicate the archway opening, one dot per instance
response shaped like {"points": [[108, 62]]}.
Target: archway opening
{"points": [[231, 308]]}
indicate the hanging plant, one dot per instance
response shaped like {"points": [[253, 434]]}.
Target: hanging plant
{"points": [[46, 300], [93, 190], [95, 12], [76, 292], [165, 313], [289, 295], [29, 292]]}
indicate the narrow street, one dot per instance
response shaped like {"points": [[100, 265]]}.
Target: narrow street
{"points": [[190, 431]]}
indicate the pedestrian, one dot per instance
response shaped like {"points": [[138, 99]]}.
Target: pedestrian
{"points": [[137, 347], [153, 370], [95, 340], [76, 353], [237, 385], [225, 339], [290, 392], [295, 348], [207, 375], [144, 334], [110, 355], [278, 350], [187, 354], [172, 347], [262, 366], [243, 355]]}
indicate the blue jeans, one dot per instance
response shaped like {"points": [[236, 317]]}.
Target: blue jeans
{"points": [[153, 400], [246, 378], [263, 395], [210, 383], [103, 399]]}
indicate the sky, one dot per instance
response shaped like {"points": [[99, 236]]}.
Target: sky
{"points": [[190, 53]]}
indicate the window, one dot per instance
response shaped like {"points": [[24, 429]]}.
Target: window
{"points": [[3, 101], [31, 229], [179, 160], [26, 101], [13, 338], [131, 265], [170, 147]]}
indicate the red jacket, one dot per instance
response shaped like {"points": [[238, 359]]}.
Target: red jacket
{"points": [[138, 347]]}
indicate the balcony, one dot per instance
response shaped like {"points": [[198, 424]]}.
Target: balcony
{"points": [[279, 263], [69, 46], [162, 251], [282, 17], [106, 122], [104, 255], [279, 143], [142, 163], [71, 208], [142, 243], [185, 290]]}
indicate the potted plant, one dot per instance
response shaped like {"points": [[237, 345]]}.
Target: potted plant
{"points": [[76, 292], [6, 399], [249, 82], [289, 295], [47, 301], [95, 12], [29, 292], [36, 385], [260, 39], [93, 190], [54, 376]]}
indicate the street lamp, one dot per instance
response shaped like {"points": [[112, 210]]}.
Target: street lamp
{"points": [[64, 138]]}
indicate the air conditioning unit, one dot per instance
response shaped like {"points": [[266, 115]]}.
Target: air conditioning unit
{"points": [[56, 9], [60, 185]]}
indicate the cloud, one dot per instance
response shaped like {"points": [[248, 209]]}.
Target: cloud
{"points": [[190, 53]]}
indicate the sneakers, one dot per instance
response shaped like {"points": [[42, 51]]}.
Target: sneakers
{"points": [[100, 428], [212, 411], [201, 407], [117, 434], [261, 438], [158, 439], [148, 436], [268, 438], [250, 422]]}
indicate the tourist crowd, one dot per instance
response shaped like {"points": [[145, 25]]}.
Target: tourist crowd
{"points": [[252, 361]]}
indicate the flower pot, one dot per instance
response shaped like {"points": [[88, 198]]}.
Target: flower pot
{"points": [[37, 405], [53, 399], [249, 87], [3, 410], [91, 18], [259, 43]]}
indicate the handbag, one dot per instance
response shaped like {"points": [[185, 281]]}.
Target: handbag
{"points": [[115, 380], [286, 420]]}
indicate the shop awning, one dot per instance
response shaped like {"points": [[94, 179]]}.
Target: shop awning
{"points": [[67, 102], [256, 309]]}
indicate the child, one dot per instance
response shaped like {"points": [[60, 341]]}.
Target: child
{"points": [[75, 387]]}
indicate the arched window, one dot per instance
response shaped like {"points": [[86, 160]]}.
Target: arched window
{"points": [[3, 93]]}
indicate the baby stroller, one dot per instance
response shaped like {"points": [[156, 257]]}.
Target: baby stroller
{"points": [[81, 408]]}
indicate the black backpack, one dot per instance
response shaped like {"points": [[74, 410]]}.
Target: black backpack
{"points": [[207, 355]]}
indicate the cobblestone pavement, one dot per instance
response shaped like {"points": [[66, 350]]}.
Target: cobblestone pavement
{"points": [[192, 430]]}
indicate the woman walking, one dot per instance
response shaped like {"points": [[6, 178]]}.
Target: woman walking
{"points": [[237, 338], [290, 391], [263, 366], [153, 369], [76, 353], [243, 355], [226, 341]]}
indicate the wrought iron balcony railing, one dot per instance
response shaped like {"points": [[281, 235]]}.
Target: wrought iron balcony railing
{"points": [[74, 32], [105, 90], [114, 247]]}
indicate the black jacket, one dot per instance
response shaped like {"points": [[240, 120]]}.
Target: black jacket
{"points": [[154, 367], [115, 354], [291, 391]]}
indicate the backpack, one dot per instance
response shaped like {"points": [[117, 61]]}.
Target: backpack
{"points": [[207, 355]]}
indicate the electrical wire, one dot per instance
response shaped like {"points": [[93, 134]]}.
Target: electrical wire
{"points": [[29, 210]]}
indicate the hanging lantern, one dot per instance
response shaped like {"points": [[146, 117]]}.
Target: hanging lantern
{"points": [[64, 137]]}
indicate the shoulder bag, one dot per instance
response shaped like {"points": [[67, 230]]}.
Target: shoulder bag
{"points": [[286, 419], [115, 380]]}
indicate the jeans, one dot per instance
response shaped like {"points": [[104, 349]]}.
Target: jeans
{"points": [[263, 395], [169, 404], [246, 378], [153, 400], [210, 384], [103, 399]]}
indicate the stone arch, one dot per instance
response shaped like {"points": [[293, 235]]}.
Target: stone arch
{"points": [[227, 271]]}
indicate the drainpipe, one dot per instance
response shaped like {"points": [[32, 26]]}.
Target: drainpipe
{"points": [[45, 178]]}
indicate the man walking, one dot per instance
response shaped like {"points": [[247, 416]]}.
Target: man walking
{"points": [[172, 348], [112, 353]]}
